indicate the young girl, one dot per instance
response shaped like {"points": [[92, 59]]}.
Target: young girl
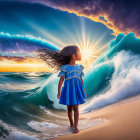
{"points": [[72, 93]]}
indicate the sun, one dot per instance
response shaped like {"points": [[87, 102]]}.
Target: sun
{"points": [[88, 55]]}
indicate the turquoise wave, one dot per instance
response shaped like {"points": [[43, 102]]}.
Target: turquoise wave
{"points": [[120, 63], [98, 76]]}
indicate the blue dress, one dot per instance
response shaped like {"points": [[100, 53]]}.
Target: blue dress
{"points": [[72, 91]]}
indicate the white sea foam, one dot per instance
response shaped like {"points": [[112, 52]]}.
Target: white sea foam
{"points": [[11, 133], [20, 136], [124, 83], [62, 127]]}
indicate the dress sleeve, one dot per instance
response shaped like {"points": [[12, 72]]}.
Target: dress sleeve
{"points": [[82, 73], [62, 71]]}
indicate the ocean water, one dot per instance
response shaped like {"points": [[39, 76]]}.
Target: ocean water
{"points": [[29, 108]]}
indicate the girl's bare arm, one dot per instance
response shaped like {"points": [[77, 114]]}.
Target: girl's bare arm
{"points": [[60, 85], [83, 84]]}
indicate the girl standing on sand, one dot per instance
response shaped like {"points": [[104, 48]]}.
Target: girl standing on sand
{"points": [[72, 93]]}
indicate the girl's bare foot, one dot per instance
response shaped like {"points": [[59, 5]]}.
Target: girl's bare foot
{"points": [[75, 130], [71, 126]]}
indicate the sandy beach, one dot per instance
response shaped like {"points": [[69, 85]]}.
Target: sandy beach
{"points": [[122, 122]]}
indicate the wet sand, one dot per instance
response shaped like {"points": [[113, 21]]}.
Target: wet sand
{"points": [[123, 122]]}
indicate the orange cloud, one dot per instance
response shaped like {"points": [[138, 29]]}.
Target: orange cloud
{"points": [[110, 23]]}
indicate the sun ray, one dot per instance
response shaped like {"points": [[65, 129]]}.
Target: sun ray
{"points": [[90, 47], [46, 34]]}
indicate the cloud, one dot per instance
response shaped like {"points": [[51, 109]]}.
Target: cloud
{"points": [[118, 15], [17, 59]]}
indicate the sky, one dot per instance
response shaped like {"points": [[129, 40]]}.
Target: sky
{"points": [[25, 26], [118, 15]]}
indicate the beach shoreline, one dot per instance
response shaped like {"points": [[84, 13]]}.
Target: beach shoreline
{"points": [[122, 122]]}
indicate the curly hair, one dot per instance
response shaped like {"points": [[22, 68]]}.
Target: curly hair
{"points": [[56, 59]]}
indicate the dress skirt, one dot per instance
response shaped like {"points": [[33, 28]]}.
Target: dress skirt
{"points": [[72, 92]]}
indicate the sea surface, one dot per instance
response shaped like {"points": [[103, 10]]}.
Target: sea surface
{"points": [[27, 111], [30, 109]]}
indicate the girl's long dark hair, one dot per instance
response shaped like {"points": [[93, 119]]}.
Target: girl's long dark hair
{"points": [[57, 58]]}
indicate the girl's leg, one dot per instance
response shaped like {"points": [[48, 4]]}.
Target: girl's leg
{"points": [[70, 109], [76, 117]]}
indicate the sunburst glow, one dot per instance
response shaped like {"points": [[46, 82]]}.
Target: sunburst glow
{"points": [[88, 56], [88, 45]]}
